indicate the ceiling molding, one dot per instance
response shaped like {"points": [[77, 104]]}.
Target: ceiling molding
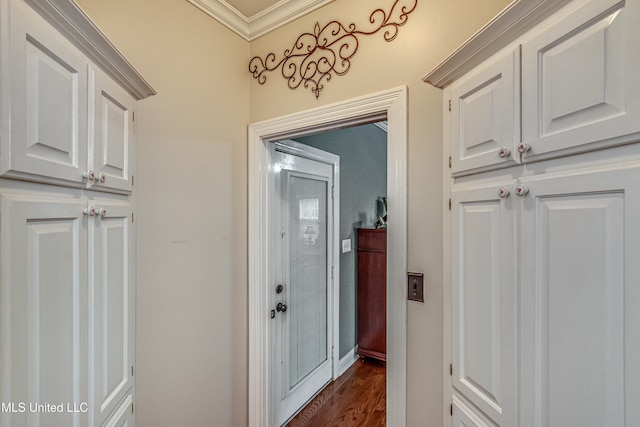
{"points": [[261, 23], [512, 22]]}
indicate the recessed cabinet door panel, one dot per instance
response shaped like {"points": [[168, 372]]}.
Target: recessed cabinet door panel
{"points": [[112, 144], [580, 80], [485, 115], [123, 417], [111, 297], [48, 103], [485, 300], [43, 263], [580, 279], [464, 416]]}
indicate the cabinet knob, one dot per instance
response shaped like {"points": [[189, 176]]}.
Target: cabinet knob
{"points": [[503, 192], [523, 147], [89, 211], [281, 307], [90, 175], [521, 190], [102, 177], [102, 212], [504, 152]]}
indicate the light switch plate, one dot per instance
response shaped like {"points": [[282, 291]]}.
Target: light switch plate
{"points": [[415, 287], [346, 246]]}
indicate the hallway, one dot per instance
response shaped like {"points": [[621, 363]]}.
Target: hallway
{"points": [[357, 398]]}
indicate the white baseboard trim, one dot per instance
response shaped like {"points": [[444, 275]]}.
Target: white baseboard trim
{"points": [[347, 361]]}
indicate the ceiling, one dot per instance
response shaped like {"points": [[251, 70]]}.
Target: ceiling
{"points": [[254, 18]]}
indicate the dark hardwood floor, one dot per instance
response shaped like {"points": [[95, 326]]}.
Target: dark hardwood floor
{"points": [[357, 398]]}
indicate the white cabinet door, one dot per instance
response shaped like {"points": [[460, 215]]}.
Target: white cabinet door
{"points": [[123, 417], [580, 289], [464, 416], [111, 302], [48, 103], [44, 310], [485, 121], [580, 86], [110, 156], [484, 298]]}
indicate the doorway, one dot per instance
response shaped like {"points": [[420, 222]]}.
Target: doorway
{"points": [[391, 106]]}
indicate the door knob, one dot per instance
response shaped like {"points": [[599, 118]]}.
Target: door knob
{"points": [[90, 175], [279, 289], [281, 307], [503, 192], [523, 147]]}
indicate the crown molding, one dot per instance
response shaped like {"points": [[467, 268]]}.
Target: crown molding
{"points": [[261, 23], [517, 18], [68, 18]]}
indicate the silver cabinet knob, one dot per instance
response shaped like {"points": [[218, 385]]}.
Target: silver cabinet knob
{"points": [[504, 152], [521, 190], [503, 192], [89, 211], [523, 147], [102, 177], [102, 212]]}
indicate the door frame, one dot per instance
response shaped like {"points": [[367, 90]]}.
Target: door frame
{"points": [[390, 105]]}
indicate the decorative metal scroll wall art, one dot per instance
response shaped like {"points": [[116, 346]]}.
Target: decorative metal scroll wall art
{"points": [[316, 56]]}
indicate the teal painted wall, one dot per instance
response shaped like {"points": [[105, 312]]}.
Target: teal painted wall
{"points": [[363, 182]]}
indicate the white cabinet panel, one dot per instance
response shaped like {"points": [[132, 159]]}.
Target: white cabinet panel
{"points": [[485, 117], [464, 416], [111, 299], [123, 417], [48, 75], [579, 83], [580, 240], [44, 258], [484, 297], [110, 156]]}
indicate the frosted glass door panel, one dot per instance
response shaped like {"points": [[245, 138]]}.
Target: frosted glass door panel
{"points": [[307, 210]]}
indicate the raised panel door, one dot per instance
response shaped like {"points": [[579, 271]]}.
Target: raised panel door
{"points": [[111, 300], [48, 103], [484, 299], [123, 417], [466, 416], [580, 241], [44, 306], [485, 121], [580, 88], [110, 155]]}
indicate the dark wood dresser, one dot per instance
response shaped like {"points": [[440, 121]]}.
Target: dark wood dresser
{"points": [[372, 293]]}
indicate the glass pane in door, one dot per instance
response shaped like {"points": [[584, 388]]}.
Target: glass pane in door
{"points": [[307, 211]]}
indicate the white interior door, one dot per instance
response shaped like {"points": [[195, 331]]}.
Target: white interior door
{"points": [[301, 293]]}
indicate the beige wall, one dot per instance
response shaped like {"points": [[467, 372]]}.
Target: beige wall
{"points": [[192, 195], [433, 31], [191, 344]]}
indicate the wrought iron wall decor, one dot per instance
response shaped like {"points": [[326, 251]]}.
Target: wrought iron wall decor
{"points": [[315, 57]]}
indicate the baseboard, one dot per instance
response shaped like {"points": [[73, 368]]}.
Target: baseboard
{"points": [[347, 361]]}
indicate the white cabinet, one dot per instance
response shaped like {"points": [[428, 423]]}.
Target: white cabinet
{"points": [[541, 323], [485, 119], [43, 241], [580, 285], [66, 220], [484, 299], [111, 302], [580, 86], [70, 124], [69, 280]]}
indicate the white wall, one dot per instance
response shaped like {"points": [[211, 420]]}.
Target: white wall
{"points": [[192, 193], [191, 343]]}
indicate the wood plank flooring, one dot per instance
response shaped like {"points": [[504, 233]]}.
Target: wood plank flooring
{"points": [[357, 398]]}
